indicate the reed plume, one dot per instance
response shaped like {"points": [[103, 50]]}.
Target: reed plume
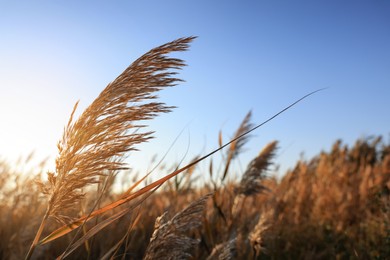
{"points": [[224, 251], [240, 139], [251, 182], [256, 236], [169, 240], [109, 128]]}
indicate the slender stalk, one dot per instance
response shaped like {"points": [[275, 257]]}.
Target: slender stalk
{"points": [[37, 235]]}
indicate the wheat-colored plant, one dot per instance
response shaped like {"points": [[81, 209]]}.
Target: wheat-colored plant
{"points": [[108, 129], [236, 146], [169, 239], [256, 236], [252, 181], [224, 251]]}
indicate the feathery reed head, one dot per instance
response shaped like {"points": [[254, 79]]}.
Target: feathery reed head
{"points": [[224, 251], [241, 137], [108, 128], [169, 240], [256, 236], [251, 180], [245, 126]]}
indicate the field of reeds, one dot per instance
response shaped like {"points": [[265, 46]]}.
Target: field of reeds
{"points": [[334, 206]]}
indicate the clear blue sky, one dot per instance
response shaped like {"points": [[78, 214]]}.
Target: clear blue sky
{"points": [[250, 55]]}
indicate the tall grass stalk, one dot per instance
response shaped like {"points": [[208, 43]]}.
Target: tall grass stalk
{"points": [[108, 129]]}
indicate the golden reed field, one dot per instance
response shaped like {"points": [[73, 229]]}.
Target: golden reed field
{"points": [[333, 206]]}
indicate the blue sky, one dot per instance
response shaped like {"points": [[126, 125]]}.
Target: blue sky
{"points": [[249, 55]]}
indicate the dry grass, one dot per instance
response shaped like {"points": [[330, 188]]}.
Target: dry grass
{"points": [[168, 240], [334, 206], [108, 128]]}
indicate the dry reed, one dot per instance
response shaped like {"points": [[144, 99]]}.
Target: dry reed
{"points": [[334, 206], [169, 240], [108, 129]]}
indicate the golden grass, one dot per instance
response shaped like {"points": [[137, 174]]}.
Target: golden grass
{"points": [[334, 206], [108, 129]]}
